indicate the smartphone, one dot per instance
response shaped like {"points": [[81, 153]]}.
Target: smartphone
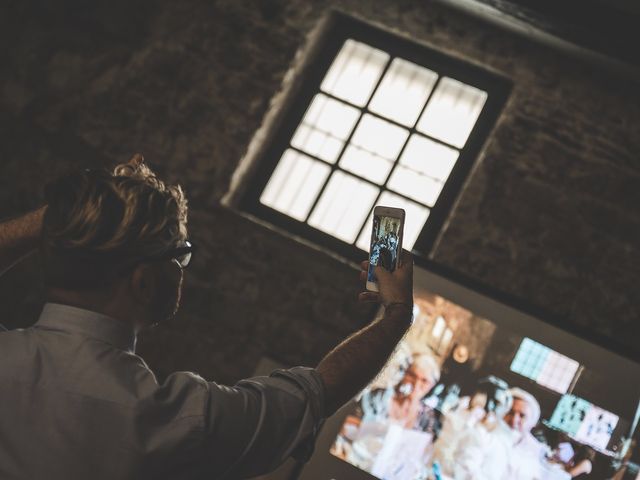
{"points": [[386, 241]]}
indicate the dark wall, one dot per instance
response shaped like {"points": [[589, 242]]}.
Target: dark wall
{"points": [[549, 213], [604, 391]]}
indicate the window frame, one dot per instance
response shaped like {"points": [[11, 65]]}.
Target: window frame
{"points": [[338, 28]]}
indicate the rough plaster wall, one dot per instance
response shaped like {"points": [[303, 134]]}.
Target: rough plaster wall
{"points": [[549, 214]]}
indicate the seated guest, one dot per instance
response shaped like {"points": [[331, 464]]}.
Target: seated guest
{"points": [[403, 403], [483, 451], [526, 453], [380, 409], [459, 420]]}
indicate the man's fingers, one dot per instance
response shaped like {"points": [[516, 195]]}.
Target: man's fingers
{"points": [[383, 276], [406, 259], [381, 272], [364, 270], [368, 297]]}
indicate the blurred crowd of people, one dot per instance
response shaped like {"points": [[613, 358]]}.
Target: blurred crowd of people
{"points": [[483, 435]]}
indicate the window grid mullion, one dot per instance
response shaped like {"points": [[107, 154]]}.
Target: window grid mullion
{"points": [[384, 187], [411, 130], [334, 167], [393, 122], [363, 179]]}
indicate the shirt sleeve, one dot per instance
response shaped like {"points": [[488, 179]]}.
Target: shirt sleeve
{"points": [[252, 427]]}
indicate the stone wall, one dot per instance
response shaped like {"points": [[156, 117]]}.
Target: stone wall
{"points": [[549, 214]]}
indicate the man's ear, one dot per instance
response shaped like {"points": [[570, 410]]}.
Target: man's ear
{"points": [[143, 284]]}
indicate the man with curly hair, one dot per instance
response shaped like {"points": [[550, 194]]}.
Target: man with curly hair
{"points": [[77, 402]]}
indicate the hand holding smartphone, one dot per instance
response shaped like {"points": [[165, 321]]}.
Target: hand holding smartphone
{"points": [[386, 241]]}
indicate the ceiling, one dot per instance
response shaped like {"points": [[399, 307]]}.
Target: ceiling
{"points": [[605, 30]]}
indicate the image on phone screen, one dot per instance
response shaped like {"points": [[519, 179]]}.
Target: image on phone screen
{"points": [[384, 244]]}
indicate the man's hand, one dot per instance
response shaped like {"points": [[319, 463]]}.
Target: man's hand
{"points": [[395, 287], [353, 363]]}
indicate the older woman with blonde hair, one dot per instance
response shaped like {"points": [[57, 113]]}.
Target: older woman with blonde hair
{"points": [[402, 403]]}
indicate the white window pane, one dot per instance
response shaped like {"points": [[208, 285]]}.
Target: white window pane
{"points": [[366, 164], [379, 137], [317, 143], [415, 185], [438, 328], [354, 72], [331, 116], [415, 218], [452, 112], [544, 366], [295, 184], [343, 206], [429, 158], [324, 127], [403, 92], [445, 341], [558, 372]]}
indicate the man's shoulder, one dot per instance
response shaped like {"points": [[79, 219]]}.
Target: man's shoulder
{"points": [[76, 365], [16, 346]]}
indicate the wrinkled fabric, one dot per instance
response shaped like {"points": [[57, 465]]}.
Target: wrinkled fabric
{"points": [[483, 454], [526, 458], [77, 402], [456, 425]]}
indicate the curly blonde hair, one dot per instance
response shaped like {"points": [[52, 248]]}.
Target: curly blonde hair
{"points": [[97, 221]]}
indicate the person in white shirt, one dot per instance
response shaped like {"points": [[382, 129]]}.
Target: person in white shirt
{"points": [[527, 453], [483, 441], [456, 422]]}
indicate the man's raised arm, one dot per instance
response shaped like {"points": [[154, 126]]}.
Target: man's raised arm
{"points": [[351, 365], [19, 237]]}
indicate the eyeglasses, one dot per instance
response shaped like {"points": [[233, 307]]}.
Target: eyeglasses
{"points": [[182, 255]]}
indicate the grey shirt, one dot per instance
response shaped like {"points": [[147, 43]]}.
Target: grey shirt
{"points": [[76, 402]]}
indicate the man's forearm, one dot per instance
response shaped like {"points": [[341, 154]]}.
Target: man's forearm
{"points": [[19, 237], [351, 365]]}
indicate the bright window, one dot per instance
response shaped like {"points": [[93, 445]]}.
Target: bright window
{"points": [[544, 366], [379, 125]]}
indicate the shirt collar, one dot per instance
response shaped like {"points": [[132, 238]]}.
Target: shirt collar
{"points": [[118, 333]]}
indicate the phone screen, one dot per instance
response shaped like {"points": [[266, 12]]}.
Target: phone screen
{"points": [[385, 244]]}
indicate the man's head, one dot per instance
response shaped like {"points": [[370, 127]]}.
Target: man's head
{"points": [[420, 377], [111, 242], [524, 413]]}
